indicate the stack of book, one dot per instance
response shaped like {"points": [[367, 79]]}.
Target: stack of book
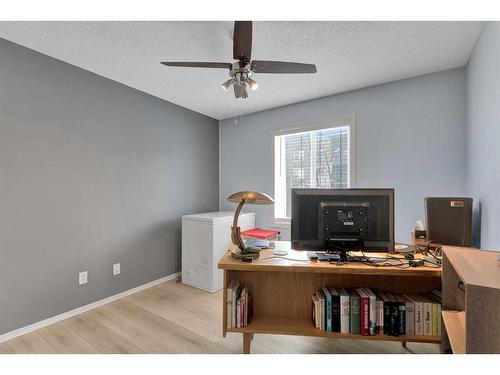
{"points": [[239, 305], [263, 234], [366, 312]]}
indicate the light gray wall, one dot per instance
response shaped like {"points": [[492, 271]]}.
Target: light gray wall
{"points": [[91, 173], [410, 135], [483, 133]]}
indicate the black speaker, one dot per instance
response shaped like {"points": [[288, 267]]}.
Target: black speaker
{"points": [[449, 220]]}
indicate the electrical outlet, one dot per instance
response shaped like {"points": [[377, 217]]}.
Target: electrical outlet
{"points": [[82, 278], [116, 269]]}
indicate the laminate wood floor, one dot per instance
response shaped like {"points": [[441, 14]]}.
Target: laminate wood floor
{"points": [[176, 318]]}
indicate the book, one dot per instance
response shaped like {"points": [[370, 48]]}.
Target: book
{"points": [[364, 312], [259, 233], [402, 314], [436, 293], [328, 309], [394, 315], [419, 313], [244, 303], [435, 296], [427, 308], [373, 311], [238, 310], [380, 315], [249, 307], [315, 310], [335, 309], [321, 310], [256, 242], [436, 319], [410, 316], [234, 299], [387, 313], [354, 312], [229, 306], [344, 311]]}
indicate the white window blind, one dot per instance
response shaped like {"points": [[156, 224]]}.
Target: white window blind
{"points": [[310, 159]]}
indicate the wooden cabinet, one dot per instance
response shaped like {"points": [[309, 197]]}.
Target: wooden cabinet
{"points": [[471, 301]]}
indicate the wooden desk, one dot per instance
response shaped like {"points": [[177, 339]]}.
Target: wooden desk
{"points": [[471, 301], [282, 291]]}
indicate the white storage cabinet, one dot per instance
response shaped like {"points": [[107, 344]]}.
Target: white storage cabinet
{"points": [[205, 238]]}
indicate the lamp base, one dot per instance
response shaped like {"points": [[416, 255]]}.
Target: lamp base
{"points": [[238, 254]]}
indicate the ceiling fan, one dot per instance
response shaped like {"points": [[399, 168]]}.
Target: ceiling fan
{"points": [[242, 71]]}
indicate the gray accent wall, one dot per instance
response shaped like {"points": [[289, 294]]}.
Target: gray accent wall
{"points": [[91, 173], [483, 134], [410, 135]]}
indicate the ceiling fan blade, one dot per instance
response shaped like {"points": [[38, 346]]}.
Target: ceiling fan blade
{"points": [[237, 90], [262, 66], [199, 64], [242, 40]]}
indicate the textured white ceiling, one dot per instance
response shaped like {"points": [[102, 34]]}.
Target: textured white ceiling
{"points": [[348, 55]]}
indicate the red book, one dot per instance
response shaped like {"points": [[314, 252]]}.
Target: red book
{"points": [[260, 233], [364, 312]]}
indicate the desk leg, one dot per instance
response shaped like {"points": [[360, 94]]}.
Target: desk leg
{"points": [[247, 338], [404, 344]]}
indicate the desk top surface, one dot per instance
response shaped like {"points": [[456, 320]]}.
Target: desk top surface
{"points": [[475, 267], [298, 261]]}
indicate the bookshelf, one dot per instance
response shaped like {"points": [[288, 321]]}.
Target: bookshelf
{"points": [[282, 290], [471, 301], [304, 327]]}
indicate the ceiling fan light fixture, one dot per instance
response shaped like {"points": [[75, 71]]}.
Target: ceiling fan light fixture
{"points": [[227, 85], [244, 92], [252, 83], [242, 70]]}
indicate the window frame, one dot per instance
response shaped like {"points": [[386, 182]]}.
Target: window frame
{"points": [[347, 121]]}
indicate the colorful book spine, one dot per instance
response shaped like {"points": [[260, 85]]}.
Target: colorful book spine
{"points": [[380, 315], [229, 304], [235, 296], [335, 309], [250, 308], [328, 309], [419, 313], [315, 312], [238, 316], [410, 316], [344, 311], [245, 317], [387, 314], [373, 311], [322, 311], [354, 312], [435, 296], [364, 312], [402, 314], [427, 317], [394, 323]]}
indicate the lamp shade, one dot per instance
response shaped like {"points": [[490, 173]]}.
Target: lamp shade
{"points": [[251, 197]]}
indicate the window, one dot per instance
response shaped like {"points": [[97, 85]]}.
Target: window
{"points": [[320, 157]]}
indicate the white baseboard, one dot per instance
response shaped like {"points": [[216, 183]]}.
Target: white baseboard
{"points": [[46, 322]]}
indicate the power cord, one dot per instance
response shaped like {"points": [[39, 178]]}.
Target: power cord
{"points": [[283, 257]]}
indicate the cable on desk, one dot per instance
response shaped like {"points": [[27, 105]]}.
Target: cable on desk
{"points": [[284, 257]]}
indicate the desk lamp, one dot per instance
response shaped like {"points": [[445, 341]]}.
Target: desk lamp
{"points": [[242, 197]]}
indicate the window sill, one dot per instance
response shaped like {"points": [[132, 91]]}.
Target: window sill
{"points": [[283, 224]]}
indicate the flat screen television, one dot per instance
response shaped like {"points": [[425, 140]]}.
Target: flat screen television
{"points": [[343, 219]]}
